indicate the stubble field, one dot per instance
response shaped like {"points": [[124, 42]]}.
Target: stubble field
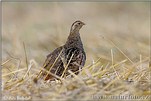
{"points": [[116, 39]]}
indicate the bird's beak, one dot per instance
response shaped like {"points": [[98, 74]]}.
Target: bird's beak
{"points": [[84, 23]]}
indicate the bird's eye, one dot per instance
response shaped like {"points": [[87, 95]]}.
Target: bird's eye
{"points": [[79, 23]]}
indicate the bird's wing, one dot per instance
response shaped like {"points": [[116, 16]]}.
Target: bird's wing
{"points": [[53, 63], [52, 57]]}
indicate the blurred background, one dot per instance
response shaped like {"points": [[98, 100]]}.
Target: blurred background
{"points": [[44, 26]]}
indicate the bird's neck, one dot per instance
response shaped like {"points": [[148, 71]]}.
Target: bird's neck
{"points": [[74, 40]]}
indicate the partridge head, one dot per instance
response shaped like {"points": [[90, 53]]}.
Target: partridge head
{"points": [[76, 26]]}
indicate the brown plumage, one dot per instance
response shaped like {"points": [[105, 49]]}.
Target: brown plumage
{"points": [[70, 56]]}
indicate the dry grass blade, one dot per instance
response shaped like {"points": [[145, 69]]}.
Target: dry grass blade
{"points": [[29, 67], [113, 64], [14, 72], [67, 65], [5, 62], [117, 48], [26, 59]]}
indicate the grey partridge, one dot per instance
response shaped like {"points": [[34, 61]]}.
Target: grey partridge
{"points": [[70, 56]]}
